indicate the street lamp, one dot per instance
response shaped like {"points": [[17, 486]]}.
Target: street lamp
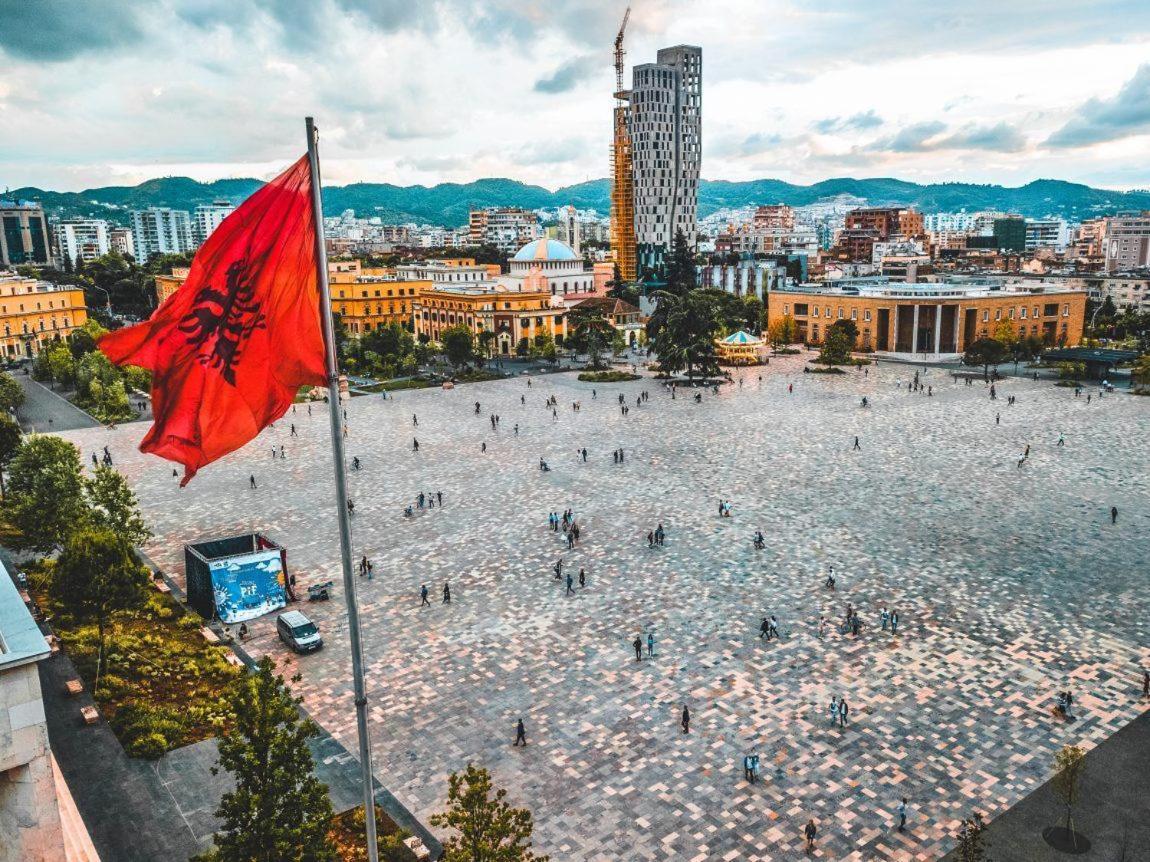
{"points": [[107, 297]]}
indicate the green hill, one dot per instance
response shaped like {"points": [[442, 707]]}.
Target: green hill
{"points": [[448, 203]]}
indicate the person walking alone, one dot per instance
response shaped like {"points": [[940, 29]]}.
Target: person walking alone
{"points": [[638, 645], [446, 593], [686, 720], [902, 815], [809, 832], [423, 602], [520, 733]]}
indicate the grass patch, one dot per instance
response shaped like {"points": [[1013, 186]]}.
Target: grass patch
{"points": [[607, 376], [351, 843], [786, 351], [162, 682], [478, 375]]}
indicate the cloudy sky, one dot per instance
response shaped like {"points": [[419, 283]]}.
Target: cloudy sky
{"points": [[99, 92]]}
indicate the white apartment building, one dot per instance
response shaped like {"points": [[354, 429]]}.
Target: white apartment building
{"points": [[665, 124], [159, 230], [745, 278], [1126, 242], [207, 218], [82, 240], [959, 222], [1047, 233]]}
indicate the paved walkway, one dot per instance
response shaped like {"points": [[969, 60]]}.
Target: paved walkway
{"points": [[1011, 584], [45, 410], [1113, 810]]}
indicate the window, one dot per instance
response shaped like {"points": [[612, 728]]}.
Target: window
{"points": [[985, 315], [998, 314], [1010, 313], [815, 313], [855, 314], [800, 309], [1066, 311], [866, 315], [1022, 312], [786, 309], [840, 312]]}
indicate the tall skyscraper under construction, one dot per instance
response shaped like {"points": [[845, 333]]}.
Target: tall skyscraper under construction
{"points": [[656, 156]]}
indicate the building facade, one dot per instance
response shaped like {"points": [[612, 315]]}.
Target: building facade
{"points": [[1126, 242], [168, 284], [367, 299], [506, 228], [121, 241], [159, 230], [511, 316], [33, 313], [207, 218], [550, 266], [932, 319], [664, 125], [24, 234], [82, 240]]}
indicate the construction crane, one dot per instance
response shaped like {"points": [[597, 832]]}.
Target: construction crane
{"points": [[619, 53]]}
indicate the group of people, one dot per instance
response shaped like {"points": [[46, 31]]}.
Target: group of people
{"points": [[655, 537], [424, 592]]}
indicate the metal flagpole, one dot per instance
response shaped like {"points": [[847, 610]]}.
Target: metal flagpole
{"points": [[341, 493]]}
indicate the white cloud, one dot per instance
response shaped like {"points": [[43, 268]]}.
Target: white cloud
{"points": [[413, 92]]}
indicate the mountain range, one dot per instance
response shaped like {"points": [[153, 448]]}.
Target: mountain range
{"points": [[448, 203]]}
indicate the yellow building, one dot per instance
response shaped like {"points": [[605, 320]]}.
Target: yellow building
{"points": [[511, 315], [932, 318], [166, 285], [367, 298], [33, 312]]}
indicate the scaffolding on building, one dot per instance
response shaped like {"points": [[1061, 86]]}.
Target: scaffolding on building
{"points": [[622, 182]]}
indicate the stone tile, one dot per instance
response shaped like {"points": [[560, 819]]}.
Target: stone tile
{"points": [[1010, 584]]}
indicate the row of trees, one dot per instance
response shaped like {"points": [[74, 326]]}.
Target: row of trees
{"points": [[100, 387], [115, 280]]}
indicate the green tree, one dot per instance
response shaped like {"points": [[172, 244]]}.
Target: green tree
{"points": [[753, 310], [11, 393], [545, 346], [486, 339], [9, 445], [61, 364], [523, 347], [1069, 761], [971, 846], [836, 349], [279, 811], [45, 498], [484, 828], [681, 275], [113, 507], [848, 328], [985, 352], [1005, 333], [783, 332], [589, 331], [96, 576], [684, 337], [83, 340], [458, 344]]}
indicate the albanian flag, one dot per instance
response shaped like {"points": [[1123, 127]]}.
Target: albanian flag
{"points": [[229, 350]]}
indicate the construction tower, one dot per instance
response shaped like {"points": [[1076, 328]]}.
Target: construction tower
{"points": [[622, 183]]}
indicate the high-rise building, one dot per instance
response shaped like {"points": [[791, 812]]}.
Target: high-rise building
{"points": [[665, 130], [82, 240], [159, 230], [1126, 242], [23, 233], [207, 218], [1010, 233]]}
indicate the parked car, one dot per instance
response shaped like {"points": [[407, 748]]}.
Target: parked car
{"points": [[298, 632]]}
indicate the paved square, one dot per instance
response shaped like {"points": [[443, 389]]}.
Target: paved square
{"points": [[1011, 584]]}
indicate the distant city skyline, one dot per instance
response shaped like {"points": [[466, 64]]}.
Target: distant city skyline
{"points": [[406, 93]]}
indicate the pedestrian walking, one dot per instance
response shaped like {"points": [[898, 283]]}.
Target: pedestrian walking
{"points": [[857, 446], [638, 645], [582, 579], [650, 644], [843, 711], [446, 593], [686, 720], [809, 832], [570, 582], [1113, 514], [894, 622], [423, 602], [520, 733], [902, 815], [252, 481]]}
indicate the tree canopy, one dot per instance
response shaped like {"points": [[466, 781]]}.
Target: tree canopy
{"points": [[683, 331], [45, 496], [485, 828], [985, 352], [279, 811], [458, 344]]}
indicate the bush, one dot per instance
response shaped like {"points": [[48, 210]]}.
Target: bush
{"points": [[786, 351], [825, 369], [150, 746], [607, 376]]}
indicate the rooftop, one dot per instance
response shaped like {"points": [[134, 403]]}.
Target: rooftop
{"points": [[20, 639], [880, 287]]}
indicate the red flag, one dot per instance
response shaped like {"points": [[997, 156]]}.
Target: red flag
{"points": [[229, 350]]}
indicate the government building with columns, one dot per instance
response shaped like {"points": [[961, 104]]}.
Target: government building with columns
{"points": [[933, 320]]}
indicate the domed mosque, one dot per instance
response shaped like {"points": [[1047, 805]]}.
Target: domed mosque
{"points": [[550, 266]]}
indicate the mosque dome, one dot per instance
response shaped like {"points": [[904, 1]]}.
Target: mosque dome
{"points": [[545, 249]]}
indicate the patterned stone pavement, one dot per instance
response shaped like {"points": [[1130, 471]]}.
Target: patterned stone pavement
{"points": [[1010, 583]]}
